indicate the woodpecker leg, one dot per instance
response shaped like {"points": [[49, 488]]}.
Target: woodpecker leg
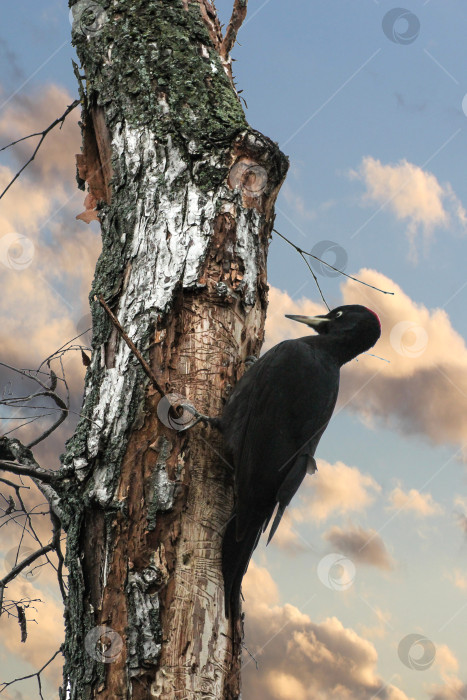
{"points": [[199, 418]]}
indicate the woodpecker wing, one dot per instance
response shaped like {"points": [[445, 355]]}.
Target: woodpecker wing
{"points": [[277, 413]]}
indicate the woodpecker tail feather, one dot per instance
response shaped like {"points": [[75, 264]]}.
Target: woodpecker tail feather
{"points": [[287, 490], [236, 556], [275, 524]]}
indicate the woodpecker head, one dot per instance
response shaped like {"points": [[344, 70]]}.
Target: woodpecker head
{"points": [[356, 324]]}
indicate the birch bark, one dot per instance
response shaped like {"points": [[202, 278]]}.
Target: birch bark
{"points": [[184, 191]]}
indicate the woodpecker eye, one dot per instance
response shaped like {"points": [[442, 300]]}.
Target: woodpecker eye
{"points": [[339, 313]]}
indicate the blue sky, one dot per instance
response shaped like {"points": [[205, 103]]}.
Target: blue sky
{"points": [[364, 121]]}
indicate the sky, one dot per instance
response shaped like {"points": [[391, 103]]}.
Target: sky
{"points": [[363, 591]]}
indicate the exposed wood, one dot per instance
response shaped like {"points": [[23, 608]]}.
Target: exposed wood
{"points": [[185, 193], [236, 21], [94, 163]]}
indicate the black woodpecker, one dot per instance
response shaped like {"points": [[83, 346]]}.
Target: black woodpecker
{"points": [[272, 424]]}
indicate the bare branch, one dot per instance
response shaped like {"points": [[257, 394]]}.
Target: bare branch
{"points": [[51, 394], [18, 459], [37, 675], [48, 391], [26, 373], [12, 484], [25, 563], [236, 21], [57, 529], [10, 605], [45, 475], [54, 545], [43, 135], [315, 279], [64, 349], [323, 262], [64, 414]]}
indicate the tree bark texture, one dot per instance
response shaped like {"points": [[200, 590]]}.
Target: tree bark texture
{"points": [[184, 190]]}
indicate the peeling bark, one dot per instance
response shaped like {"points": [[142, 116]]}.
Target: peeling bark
{"points": [[184, 190]]}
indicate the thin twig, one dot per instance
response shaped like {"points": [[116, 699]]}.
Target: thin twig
{"points": [[26, 422], [37, 674], [148, 371], [57, 352], [13, 485], [25, 563], [43, 135], [26, 373], [238, 15], [51, 394], [64, 414], [315, 279], [49, 391], [304, 252], [250, 654]]}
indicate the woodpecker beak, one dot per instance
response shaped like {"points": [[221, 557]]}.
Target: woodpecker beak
{"points": [[316, 322]]}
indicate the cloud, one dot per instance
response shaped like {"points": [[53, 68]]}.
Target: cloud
{"points": [[279, 328], [259, 587], [446, 661], [362, 546], [32, 112], [448, 665], [460, 513], [12, 694], [299, 206], [301, 659], [461, 519], [413, 195], [458, 578], [421, 504], [287, 538], [47, 258], [44, 638], [454, 689], [423, 388], [335, 489], [11, 59], [379, 630], [24, 206]]}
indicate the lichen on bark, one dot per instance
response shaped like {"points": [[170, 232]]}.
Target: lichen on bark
{"points": [[147, 505]]}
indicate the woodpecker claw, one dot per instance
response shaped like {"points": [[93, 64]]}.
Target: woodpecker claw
{"points": [[199, 418], [250, 361]]}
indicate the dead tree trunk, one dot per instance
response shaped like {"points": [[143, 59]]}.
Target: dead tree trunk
{"points": [[184, 190]]}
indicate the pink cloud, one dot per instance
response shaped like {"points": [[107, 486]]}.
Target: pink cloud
{"points": [[302, 659]]}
